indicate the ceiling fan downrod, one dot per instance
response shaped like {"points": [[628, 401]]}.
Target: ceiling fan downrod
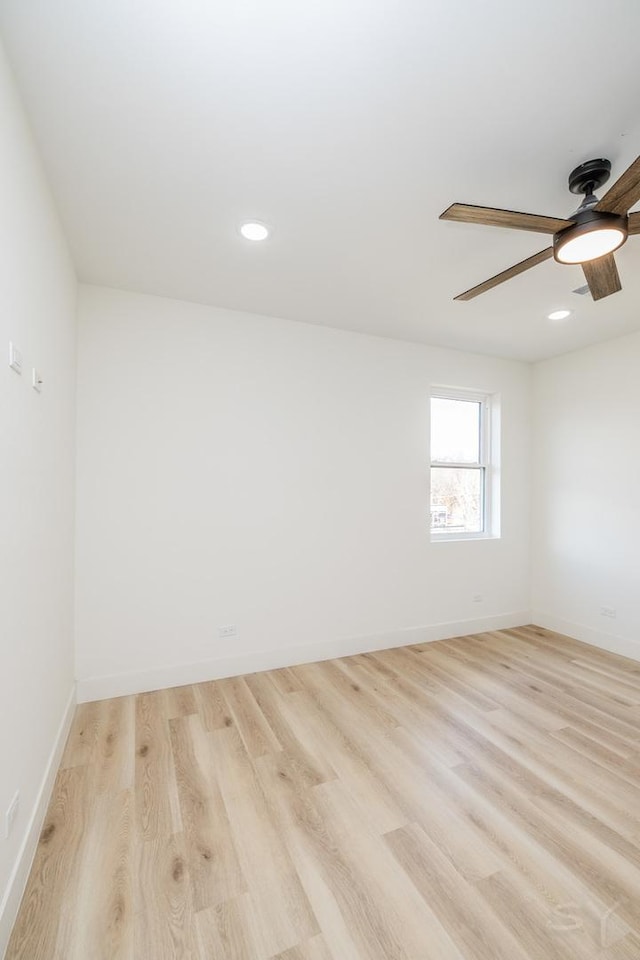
{"points": [[586, 179]]}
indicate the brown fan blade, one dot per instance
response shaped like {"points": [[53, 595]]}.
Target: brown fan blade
{"points": [[494, 217], [506, 274], [602, 276], [624, 193], [634, 223]]}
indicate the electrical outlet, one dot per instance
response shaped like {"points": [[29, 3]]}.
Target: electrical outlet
{"points": [[11, 814], [228, 631], [608, 612], [477, 598]]}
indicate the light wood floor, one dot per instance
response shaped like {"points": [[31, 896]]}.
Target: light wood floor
{"points": [[473, 799]]}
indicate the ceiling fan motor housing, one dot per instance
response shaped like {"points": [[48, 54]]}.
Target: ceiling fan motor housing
{"points": [[587, 220]]}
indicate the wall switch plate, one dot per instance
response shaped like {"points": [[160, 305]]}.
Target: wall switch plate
{"points": [[15, 358], [11, 814], [36, 380], [228, 631]]}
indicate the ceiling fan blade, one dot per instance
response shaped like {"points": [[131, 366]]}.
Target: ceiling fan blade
{"points": [[624, 193], [634, 223], [494, 217], [602, 276], [506, 274]]}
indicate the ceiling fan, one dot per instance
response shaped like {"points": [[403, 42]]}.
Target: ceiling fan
{"points": [[588, 237]]}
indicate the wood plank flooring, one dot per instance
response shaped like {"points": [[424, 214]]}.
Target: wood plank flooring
{"points": [[472, 799]]}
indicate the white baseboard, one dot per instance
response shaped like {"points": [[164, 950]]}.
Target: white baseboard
{"points": [[20, 873], [596, 638], [177, 675]]}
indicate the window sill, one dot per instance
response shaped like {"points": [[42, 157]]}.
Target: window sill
{"points": [[451, 537]]}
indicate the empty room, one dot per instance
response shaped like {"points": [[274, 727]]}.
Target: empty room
{"points": [[320, 465]]}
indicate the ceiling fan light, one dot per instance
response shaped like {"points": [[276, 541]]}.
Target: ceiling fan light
{"points": [[590, 246], [590, 238]]}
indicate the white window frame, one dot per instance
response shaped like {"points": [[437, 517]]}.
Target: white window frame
{"points": [[483, 465]]}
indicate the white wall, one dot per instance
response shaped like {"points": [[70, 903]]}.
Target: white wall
{"points": [[586, 525], [37, 311], [236, 469]]}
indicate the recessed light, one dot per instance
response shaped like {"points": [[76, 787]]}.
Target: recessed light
{"points": [[559, 315], [254, 230]]}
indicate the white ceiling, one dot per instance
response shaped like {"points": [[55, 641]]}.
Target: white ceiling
{"points": [[348, 125]]}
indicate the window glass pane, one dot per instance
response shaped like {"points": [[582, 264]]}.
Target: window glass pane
{"points": [[455, 430], [456, 500]]}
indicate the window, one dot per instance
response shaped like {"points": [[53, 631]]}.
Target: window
{"points": [[460, 475]]}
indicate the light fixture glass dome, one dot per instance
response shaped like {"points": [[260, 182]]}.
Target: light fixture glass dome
{"points": [[593, 235], [591, 245]]}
